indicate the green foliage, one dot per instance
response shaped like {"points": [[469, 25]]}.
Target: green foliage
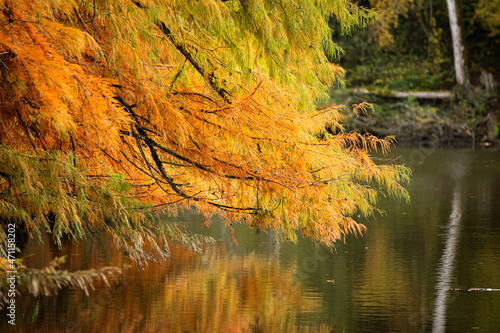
{"points": [[458, 121], [473, 105], [488, 13], [402, 72], [420, 56], [46, 192], [417, 56], [50, 279]]}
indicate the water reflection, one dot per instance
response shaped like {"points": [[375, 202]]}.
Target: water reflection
{"points": [[447, 263], [215, 292], [396, 278]]}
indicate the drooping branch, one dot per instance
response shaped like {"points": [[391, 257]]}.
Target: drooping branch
{"points": [[153, 146], [151, 142], [209, 77], [26, 130], [253, 153]]}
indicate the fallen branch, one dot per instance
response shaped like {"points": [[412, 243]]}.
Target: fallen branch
{"points": [[403, 94]]}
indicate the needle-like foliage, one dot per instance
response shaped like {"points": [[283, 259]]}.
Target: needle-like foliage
{"points": [[107, 106]]}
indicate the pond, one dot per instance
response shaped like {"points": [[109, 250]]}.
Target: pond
{"points": [[429, 266]]}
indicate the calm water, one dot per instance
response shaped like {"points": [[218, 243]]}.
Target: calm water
{"points": [[411, 272]]}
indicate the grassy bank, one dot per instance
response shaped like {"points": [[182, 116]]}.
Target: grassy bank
{"points": [[468, 118]]}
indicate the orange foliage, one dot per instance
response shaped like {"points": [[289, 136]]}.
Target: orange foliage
{"points": [[191, 110], [214, 292]]}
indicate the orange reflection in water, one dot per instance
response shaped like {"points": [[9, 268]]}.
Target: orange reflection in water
{"points": [[209, 292]]}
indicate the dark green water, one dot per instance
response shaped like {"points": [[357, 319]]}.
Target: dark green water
{"points": [[415, 270]]}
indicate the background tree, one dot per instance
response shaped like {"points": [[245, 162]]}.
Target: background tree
{"points": [[488, 13], [409, 45], [110, 107], [406, 56], [458, 46]]}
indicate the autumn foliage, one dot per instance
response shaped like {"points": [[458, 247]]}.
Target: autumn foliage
{"points": [[110, 107]]}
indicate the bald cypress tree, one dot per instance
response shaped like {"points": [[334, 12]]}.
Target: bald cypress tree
{"points": [[110, 108]]}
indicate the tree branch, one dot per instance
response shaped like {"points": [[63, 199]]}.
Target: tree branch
{"points": [[210, 78], [152, 145]]}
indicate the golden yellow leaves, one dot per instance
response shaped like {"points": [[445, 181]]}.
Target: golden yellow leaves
{"points": [[195, 125], [60, 98], [388, 13]]}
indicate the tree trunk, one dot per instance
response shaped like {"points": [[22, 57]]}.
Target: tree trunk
{"points": [[458, 46]]}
